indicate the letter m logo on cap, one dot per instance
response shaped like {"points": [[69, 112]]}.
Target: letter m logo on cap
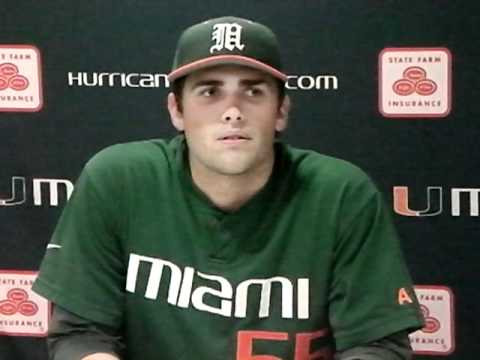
{"points": [[226, 36]]}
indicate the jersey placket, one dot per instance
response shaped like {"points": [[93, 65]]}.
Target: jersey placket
{"points": [[228, 234]]}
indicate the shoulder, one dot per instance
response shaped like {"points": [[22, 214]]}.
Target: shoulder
{"points": [[129, 165], [318, 169], [134, 156]]}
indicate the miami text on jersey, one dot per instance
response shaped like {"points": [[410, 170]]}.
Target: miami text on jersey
{"points": [[182, 294]]}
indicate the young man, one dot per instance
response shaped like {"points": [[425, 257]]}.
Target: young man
{"points": [[224, 243]]}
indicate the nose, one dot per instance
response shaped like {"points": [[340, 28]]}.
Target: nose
{"points": [[233, 113]]}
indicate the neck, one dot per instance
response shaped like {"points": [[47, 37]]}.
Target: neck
{"points": [[230, 192]]}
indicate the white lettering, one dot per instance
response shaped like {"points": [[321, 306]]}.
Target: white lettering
{"points": [[72, 79], [146, 80], [53, 185], [180, 290], [134, 80], [323, 82], [162, 77], [154, 278], [111, 78], [225, 292], [94, 81], [226, 36], [129, 82], [303, 298], [307, 82], [474, 196], [101, 77], [266, 287], [186, 290]]}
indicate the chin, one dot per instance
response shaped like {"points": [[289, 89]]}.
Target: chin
{"points": [[233, 170], [233, 167]]}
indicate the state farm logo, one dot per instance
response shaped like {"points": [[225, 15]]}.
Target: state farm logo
{"points": [[10, 78], [415, 82], [17, 302], [20, 78], [432, 324], [22, 312], [437, 337]]}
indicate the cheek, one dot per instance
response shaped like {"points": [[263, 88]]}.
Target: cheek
{"points": [[193, 119], [199, 116], [197, 130]]}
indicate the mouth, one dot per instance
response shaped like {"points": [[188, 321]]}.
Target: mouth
{"points": [[234, 139]]}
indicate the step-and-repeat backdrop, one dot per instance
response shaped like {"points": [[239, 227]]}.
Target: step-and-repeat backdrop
{"points": [[391, 86]]}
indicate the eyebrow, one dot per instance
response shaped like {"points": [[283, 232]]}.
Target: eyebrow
{"points": [[251, 82], [206, 82], [243, 82]]}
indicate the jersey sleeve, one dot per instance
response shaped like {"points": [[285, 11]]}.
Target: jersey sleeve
{"points": [[371, 293], [83, 268]]}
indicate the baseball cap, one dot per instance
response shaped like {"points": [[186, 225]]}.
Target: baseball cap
{"points": [[227, 40]]}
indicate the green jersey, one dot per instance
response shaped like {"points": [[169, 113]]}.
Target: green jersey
{"points": [[310, 264]]}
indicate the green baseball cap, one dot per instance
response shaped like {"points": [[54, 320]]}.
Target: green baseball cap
{"points": [[227, 40]]}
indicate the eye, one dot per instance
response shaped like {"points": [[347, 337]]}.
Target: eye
{"points": [[209, 91], [254, 91]]}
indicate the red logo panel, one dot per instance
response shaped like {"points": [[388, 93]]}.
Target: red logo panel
{"points": [[22, 312], [20, 78], [438, 336], [415, 82]]}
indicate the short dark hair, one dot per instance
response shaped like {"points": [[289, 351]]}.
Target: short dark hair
{"points": [[178, 85]]}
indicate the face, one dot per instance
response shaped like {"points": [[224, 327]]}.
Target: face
{"points": [[230, 115]]}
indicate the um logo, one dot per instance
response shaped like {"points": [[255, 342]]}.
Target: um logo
{"points": [[18, 194], [459, 198]]}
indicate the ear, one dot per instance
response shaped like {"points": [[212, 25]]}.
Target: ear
{"points": [[176, 116], [283, 111]]}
